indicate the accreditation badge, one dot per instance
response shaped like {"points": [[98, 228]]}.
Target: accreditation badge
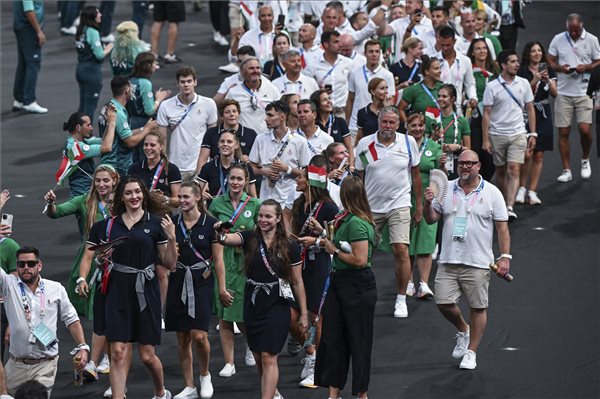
{"points": [[44, 335], [459, 231]]}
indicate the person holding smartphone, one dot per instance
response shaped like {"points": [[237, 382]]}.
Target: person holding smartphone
{"points": [[543, 84]]}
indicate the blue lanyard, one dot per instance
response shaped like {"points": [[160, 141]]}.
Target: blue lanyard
{"points": [[188, 239], [102, 209], [423, 145], [222, 179], [570, 42], [330, 124], [279, 70], [510, 93], [258, 101], [310, 147], [429, 94], [364, 69], [330, 71], [157, 173], [414, 70], [238, 210]]}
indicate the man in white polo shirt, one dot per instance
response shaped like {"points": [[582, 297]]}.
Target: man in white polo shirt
{"points": [[294, 81], [389, 163], [261, 38], [573, 54], [233, 80], [253, 94], [309, 49], [316, 139], [471, 210], [186, 116], [278, 155], [358, 83], [503, 126]]}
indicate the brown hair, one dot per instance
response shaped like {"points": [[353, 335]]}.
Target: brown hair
{"points": [[91, 202], [354, 198], [185, 71], [197, 190], [163, 154], [143, 65]]}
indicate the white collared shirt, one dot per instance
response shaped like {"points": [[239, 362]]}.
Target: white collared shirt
{"points": [[584, 51], [311, 55], [460, 74], [186, 139], [229, 82], [56, 304], [318, 142], [335, 75], [249, 116], [419, 31], [462, 45], [388, 180], [261, 42], [507, 117], [358, 84], [296, 154], [304, 86]]}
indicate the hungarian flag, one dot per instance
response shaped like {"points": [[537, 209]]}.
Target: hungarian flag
{"points": [[369, 155], [433, 117], [70, 159], [317, 176]]}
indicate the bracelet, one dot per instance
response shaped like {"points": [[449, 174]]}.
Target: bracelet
{"points": [[79, 280], [79, 347], [532, 134], [337, 252], [98, 262], [507, 256], [318, 242], [323, 234], [289, 170]]}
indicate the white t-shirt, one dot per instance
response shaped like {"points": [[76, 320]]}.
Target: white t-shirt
{"points": [[487, 208], [304, 86], [296, 154], [358, 83], [318, 142], [190, 123], [229, 82], [252, 113], [335, 75], [388, 178], [260, 41], [507, 117], [419, 31], [584, 51], [460, 74]]}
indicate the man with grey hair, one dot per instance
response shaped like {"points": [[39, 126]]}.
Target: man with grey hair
{"points": [[573, 54], [388, 162], [294, 81]]}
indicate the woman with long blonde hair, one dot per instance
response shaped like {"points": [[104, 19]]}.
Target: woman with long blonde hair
{"points": [[127, 46]]}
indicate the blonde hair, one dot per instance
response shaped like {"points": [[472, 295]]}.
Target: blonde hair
{"points": [[409, 43], [91, 202]]}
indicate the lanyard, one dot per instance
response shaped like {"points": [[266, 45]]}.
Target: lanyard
{"points": [[510, 93], [364, 69], [102, 209], [423, 146], [187, 235], [238, 211], [310, 146], [329, 72], [338, 219], [265, 260], [571, 44], [185, 114], [222, 179], [430, 95], [313, 212], [159, 169], [279, 70], [28, 305], [283, 146], [330, 124], [455, 129], [471, 201], [450, 71], [414, 70], [258, 100]]}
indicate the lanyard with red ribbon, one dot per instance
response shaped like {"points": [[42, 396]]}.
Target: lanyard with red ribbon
{"points": [[238, 211], [159, 169], [106, 274], [314, 212]]}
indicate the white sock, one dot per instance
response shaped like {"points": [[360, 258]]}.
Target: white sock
{"points": [[401, 298]]}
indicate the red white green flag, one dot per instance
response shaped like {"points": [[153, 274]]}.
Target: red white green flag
{"points": [[433, 117], [317, 176], [69, 162], [369, 155]]}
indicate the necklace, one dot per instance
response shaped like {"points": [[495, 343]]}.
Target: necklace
{"points": [[132, 220]]}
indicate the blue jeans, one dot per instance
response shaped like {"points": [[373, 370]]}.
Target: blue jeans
{"points": [[69, 11], [107, 8], [139, 14], [29, 62], [89, 77]]}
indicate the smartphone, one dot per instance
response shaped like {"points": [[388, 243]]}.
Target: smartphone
{"points": [[7, 219], [328, 88], [418, 12], [226, 225], [281, 20], [542, 67]]}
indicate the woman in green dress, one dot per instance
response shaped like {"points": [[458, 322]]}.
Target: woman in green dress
{"points": [[420, 96], [240, 209], [422, 235]]}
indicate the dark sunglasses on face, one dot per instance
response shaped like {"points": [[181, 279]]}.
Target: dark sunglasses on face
{"points": [[467, 164], [29, 263]]}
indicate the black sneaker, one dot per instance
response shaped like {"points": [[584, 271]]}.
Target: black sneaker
{"points": [[293, 347]]}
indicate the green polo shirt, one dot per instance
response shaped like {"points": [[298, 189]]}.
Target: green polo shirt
{"points": [[448, 121], [417, 97], [8, 254], [221, 208], [120, 156], [353, 229]]}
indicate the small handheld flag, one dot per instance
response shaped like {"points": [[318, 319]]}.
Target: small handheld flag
{"points": [[317, 176]]}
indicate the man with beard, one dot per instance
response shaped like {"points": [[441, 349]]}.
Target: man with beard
{"points": [[294, 81], [471, 210], [120, 156], [389, 162], [33, 305]]}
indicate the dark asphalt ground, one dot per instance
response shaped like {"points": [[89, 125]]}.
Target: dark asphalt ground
{"points": [[542, 338]]}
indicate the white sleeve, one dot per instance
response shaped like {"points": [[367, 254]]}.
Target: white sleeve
{"points": [[162, 118], [367, 31], [553, 47], [469, 83], [68, 314], [213, 116]]}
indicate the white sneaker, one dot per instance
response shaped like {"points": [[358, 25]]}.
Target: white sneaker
{"points": [[462, 344], [69, 31], [104, 366], [309, 381], [110, 38], [17, 106], [236, 329], [410, 288], [520, 198], [401, 310], [171, 59], [512, 215], [250, 360], [167, 395], [469, 361], [145, 46], [219, 39], [533, 198], [6, 397], [424, 291], [162, 323], [108, 392], [309, 366], [278, 395], [35, 108], [90, 372], [230, 68], [227, 371], [206, 387], [586, 169], [565, 176], [187, 393]]}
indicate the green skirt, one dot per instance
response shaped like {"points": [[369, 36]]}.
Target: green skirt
{"points": [[235, 280], [82, 305]]}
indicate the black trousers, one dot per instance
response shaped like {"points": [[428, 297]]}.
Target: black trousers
{"points": [[508, 36], [219, 16], [347, 333]]}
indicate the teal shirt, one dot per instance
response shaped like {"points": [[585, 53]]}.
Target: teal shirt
{"points": [[20, 7], [353, 229], [142, 101], [120, 155], [89, 47]]}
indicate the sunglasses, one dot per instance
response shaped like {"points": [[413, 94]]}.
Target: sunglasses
{"points": [[29, 263], [254, 103], [228, 131]]}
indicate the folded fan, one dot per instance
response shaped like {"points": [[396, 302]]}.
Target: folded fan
{"points": [[438, 181]]}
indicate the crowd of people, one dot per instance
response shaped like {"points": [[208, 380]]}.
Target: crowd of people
{"points": [[264, 204]]}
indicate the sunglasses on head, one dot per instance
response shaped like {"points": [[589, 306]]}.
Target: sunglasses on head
{"points": [[29, 263]]}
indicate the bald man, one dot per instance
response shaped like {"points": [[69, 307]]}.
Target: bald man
{"points": [[309, 49], [471, 210], [347, 50]]}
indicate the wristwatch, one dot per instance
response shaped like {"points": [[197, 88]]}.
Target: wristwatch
{"points": [[337, 252]]}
